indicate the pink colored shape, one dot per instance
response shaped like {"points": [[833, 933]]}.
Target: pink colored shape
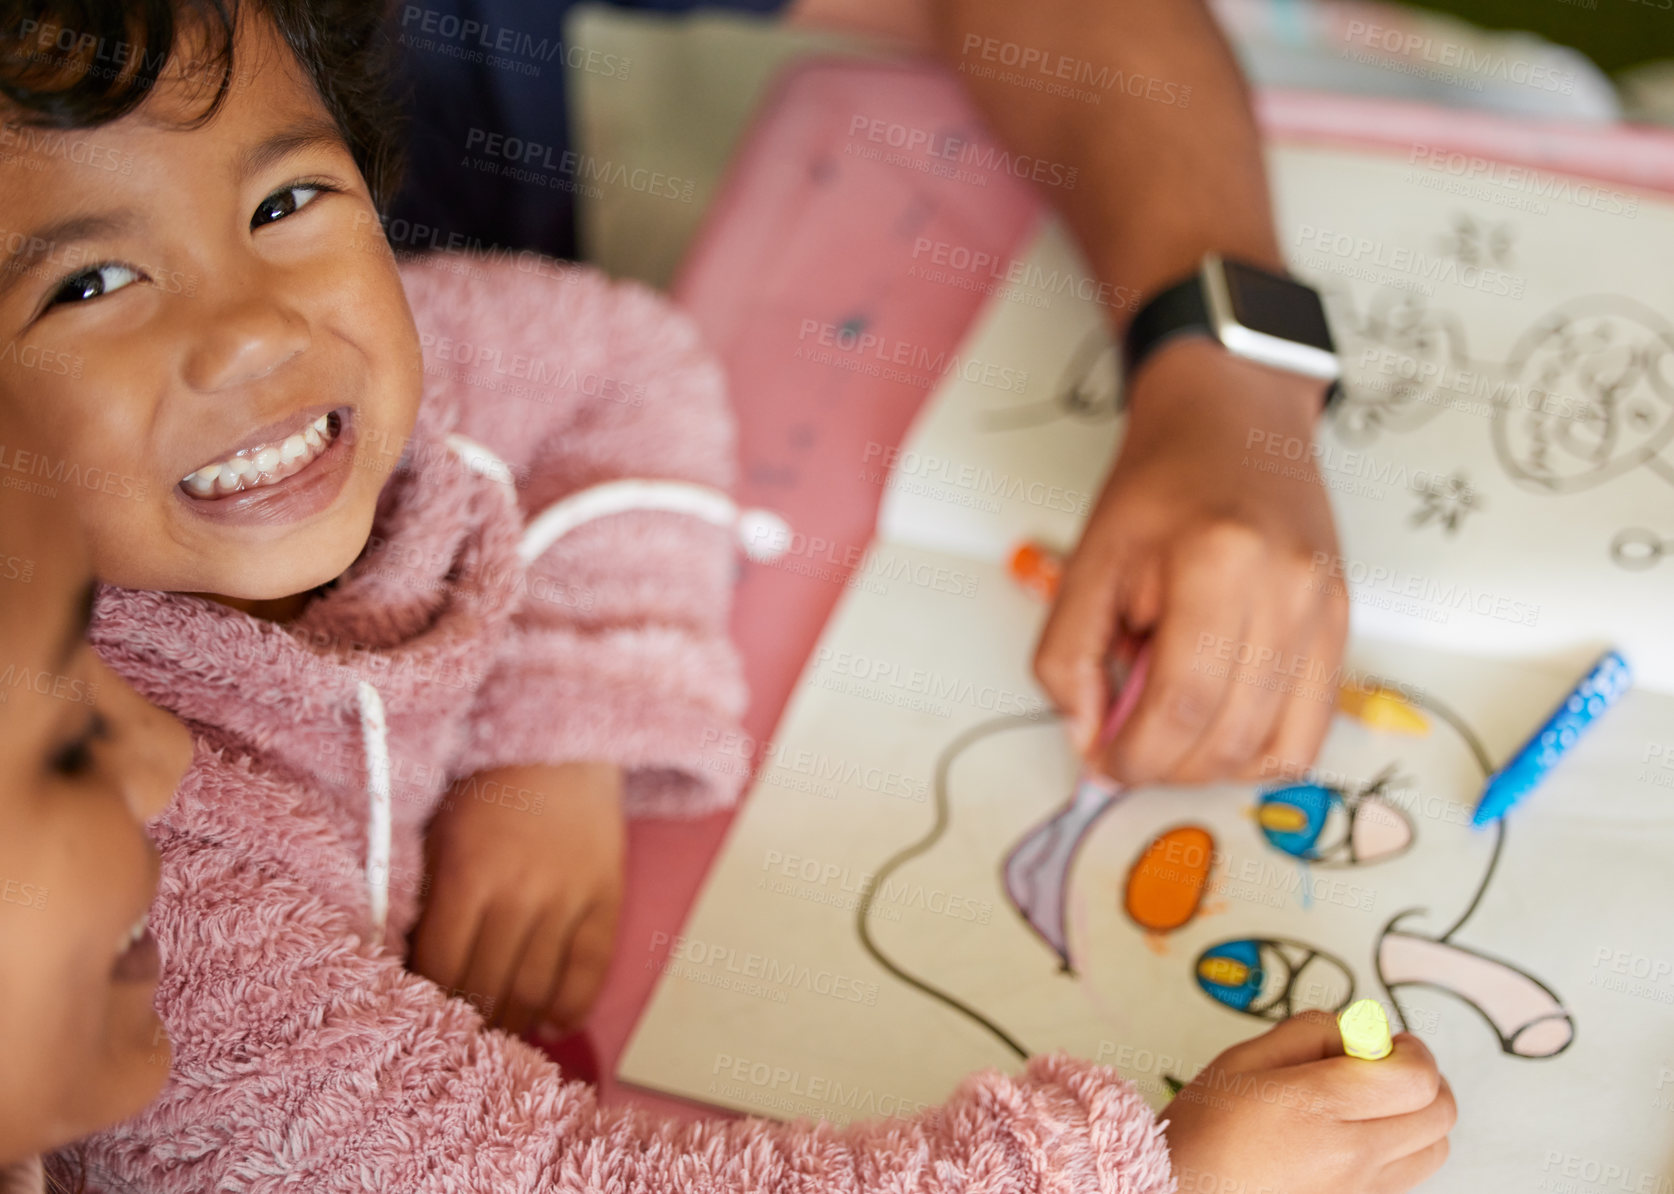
{"points": [[1526, 1017], [1379, 830]]}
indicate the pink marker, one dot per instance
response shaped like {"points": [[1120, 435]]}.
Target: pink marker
{"points": [[1036, 871], [1127, 696]]}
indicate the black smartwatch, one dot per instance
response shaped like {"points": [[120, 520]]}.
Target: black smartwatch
{"points": [[1253, 312]]}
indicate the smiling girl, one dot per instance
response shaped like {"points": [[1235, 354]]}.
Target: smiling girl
{"points": [[84, 763]]}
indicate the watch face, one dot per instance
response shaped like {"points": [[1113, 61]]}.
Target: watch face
{"points": [[1277, 306]]}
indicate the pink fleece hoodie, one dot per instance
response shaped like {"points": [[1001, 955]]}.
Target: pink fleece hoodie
{"points": [[306, 1057]]}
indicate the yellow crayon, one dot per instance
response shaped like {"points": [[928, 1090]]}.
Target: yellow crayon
{"points": [[1365, 1030], [1382, 709]]}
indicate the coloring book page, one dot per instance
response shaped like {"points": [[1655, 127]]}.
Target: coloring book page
{"points": [[920, 885], [1500, 466], [912, 894]]}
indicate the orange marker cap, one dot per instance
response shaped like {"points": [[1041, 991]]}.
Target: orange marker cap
{"points": [[1037, 568]]}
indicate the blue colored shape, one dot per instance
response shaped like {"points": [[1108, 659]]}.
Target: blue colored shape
{"points": [[1315, 803], [1238, 996]]}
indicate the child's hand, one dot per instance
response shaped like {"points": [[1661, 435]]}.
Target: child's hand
{"points": [[1287, 1111], [526, 881], [1213, 535]]}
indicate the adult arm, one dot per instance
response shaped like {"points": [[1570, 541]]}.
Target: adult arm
{"points": [[1212, 528]]}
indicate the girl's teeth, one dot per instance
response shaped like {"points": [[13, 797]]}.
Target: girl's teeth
{"points": [[266, 465], [202, 482]]}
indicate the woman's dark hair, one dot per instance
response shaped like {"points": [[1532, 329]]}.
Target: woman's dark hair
{"points": [[70, 64]]}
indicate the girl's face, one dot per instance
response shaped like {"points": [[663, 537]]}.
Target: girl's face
{"points": [[208, 326], [84, 762]]}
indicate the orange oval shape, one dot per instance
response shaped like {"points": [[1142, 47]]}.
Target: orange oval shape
{"points": [[1167, 881]]}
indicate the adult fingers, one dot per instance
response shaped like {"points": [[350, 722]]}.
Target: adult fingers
{"points": [[1254, 699], [1203, 618], [1311, 700], [1069, 660]]}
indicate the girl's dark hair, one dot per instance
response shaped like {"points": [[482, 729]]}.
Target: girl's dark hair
{"points": [[71, 64], [65, 1173]]}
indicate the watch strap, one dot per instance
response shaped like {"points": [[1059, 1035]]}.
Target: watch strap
{"points": [[1180, 310]]}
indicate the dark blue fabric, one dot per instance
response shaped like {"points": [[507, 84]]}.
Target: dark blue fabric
{"points": [[487, 83]]}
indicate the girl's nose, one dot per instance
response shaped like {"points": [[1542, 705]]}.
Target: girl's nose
{"points": [[150, 748], [243, 340]]}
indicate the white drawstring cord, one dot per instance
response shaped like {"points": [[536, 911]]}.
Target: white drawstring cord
{"points": [[375, 741], [479, 459], [763, 534]]}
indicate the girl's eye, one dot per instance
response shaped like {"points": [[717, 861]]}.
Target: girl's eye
{"points": [[74, 758], [91, 283], [287, 201]]}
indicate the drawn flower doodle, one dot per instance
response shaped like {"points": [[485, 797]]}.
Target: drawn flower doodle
{"points": [[1595, 399]]}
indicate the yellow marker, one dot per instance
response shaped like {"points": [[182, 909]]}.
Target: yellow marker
{"points": [[1365, 1030], [1281, 817], [1382, 709]]}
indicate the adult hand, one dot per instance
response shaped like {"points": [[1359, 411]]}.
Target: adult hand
{"points": [[1213, 535]]}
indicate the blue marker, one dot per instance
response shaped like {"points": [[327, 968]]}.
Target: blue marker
{"points": [[1598, 690]]}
